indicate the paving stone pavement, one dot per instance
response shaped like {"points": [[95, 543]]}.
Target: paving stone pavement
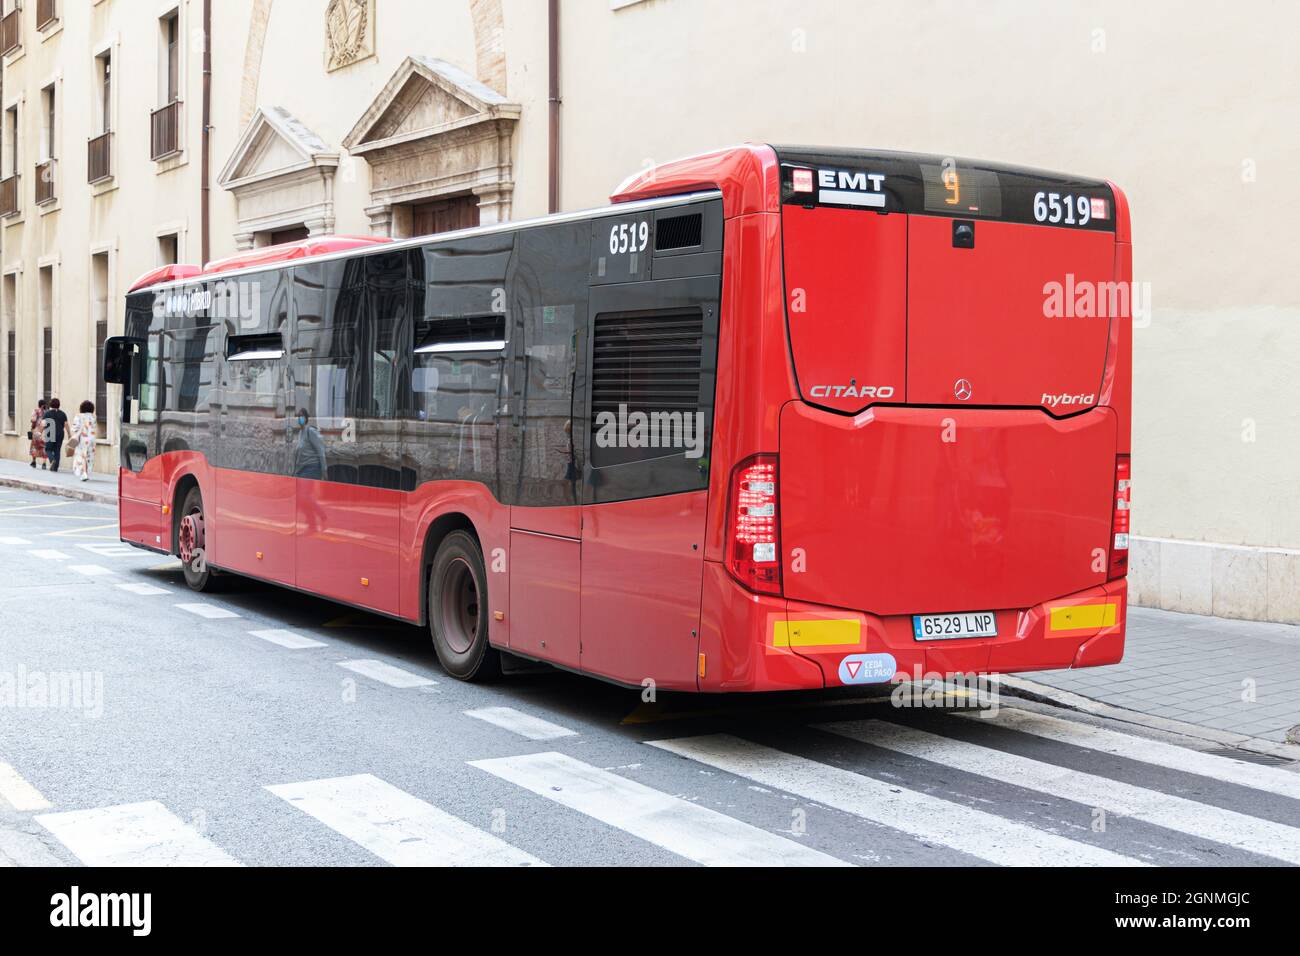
{"points": [[20, 474], [1236, 676]]}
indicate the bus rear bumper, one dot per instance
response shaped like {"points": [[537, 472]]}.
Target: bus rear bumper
{"points": [[754, 643]]}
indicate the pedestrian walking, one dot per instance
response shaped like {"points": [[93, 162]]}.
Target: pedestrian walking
{"points": [[82, 441], [36, 436], [54, 424]]}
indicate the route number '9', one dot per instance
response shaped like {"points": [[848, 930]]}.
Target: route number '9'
{"points": [[1070, 210], [629, 237]]}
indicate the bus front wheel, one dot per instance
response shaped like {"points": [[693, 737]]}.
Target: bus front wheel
{"points": [[458, 610]]}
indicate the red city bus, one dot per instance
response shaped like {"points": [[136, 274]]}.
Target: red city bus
{"points": [[777, 418]]}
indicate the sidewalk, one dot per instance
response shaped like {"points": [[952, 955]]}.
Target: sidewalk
{"points": [[20, 474], [1234, 678]]}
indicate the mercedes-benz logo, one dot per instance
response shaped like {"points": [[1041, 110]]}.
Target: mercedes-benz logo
{"points": [[962, 390]]}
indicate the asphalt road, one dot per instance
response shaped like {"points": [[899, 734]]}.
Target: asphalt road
{"points": [[262, 727]]}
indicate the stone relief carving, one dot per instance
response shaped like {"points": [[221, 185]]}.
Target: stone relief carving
{"points": [[349, 32]]}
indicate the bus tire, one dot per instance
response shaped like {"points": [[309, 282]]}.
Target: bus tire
{"points": [[458, 610], [198, 575]]}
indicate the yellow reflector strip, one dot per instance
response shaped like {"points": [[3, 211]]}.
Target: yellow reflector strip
{"points": [[817, 633], [1082, 616]]}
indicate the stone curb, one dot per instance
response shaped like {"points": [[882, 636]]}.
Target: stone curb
{"points": [[65, 491], [1071, 701]]}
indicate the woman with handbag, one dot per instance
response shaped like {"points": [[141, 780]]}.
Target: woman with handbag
{"points": [[81, 441], [36, 436]]}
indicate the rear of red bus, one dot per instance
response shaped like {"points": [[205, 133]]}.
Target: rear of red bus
{"points": [[921, 451]]}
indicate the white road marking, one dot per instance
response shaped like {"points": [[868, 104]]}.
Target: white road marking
{"points": [[687, 829], [133, 834], [1158, 752], [89, 570], [112, 549], [287, 639], [14, 541], [932, 819], [1151, 806], [397, 827], [18, 793], [209, 611], [386, 674], [525, 725], [48, 554], [24, 508], [140, 587]]}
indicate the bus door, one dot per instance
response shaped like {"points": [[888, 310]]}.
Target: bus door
{"points": [[651, 361], [548, 307]]}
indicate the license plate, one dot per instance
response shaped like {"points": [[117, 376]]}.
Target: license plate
{"points": [[948, 627]]}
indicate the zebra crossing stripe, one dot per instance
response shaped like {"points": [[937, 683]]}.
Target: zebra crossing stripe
{"points": [[289, 639], [397, 827], [517, 722], [1157, 752], [386, 673], [133, 834], [1200, 820], [932, 819], [679, 826]]}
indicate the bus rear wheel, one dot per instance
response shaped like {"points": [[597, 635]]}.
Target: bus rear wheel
{"points": [[458, 610], [191, 540]]}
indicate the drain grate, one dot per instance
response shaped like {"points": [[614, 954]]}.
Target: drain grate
{"points": [[1249, 757]]}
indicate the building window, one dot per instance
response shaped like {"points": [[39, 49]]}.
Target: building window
{"points": [[99, 315], [9, 292], [171, 57], [47, 11], [47, 361], [101, 387], [165, 132], [11, 27], [104, 64], [45, 320], [99, 164], [169, 249], [11, 376], [45, 166], [11, 161]]}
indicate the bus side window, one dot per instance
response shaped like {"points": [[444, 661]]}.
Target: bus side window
{"points": [[459, 340], [548, 295], [150, 381]]}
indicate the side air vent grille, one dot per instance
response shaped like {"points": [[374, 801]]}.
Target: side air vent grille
{"points": [[678, 232], [648, 362]]}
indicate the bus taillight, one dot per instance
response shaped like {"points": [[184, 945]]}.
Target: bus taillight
{"points": [[1120, 523], [753, 528]]}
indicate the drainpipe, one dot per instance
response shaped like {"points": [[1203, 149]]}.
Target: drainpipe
{"points": [[553, 101], [205, 164]]}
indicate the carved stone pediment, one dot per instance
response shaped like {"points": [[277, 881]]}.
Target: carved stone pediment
{"points": [[274, 144], [425, 98], [281, 175], [435, 131]]}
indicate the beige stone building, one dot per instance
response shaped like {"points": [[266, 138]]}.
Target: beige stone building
{"points": [[400, 117]]}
